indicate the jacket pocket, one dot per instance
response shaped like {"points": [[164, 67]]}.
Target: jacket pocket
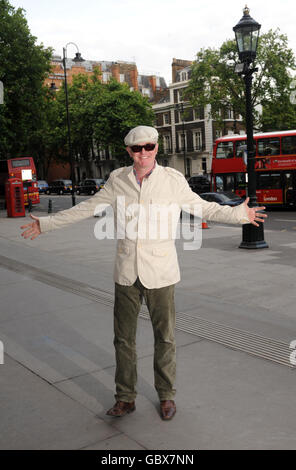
{"points": [[123, 250], [160, 252]]}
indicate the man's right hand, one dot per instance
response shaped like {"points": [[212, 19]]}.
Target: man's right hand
{"points": [[33, 229]]}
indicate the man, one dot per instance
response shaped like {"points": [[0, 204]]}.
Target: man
{"points": [[146, 267]]}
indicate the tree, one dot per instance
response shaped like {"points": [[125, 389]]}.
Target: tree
{"points": [[23, 68], [120, 110], [101, 115], [214, 82]]}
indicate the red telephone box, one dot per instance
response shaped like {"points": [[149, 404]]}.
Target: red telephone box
{"points": [[14, 194]]}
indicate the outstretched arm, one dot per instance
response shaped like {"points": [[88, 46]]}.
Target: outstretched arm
{"points": [[241, 214], [75, 214]]}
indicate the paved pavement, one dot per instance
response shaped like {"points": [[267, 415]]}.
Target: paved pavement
{"points": [[236, 320]]}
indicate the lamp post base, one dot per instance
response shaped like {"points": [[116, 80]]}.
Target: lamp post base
{"points": [[253, 237]]}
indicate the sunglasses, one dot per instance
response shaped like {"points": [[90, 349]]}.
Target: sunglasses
{"points": [[147, 147]]}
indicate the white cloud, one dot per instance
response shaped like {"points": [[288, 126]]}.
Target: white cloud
{"points": [[153, 32]]}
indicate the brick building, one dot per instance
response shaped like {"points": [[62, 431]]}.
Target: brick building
{"points": [[188, 134], [151, 86]]}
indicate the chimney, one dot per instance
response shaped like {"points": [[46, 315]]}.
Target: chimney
{"points": [[152, 80], [115, 70], [134, 78]]}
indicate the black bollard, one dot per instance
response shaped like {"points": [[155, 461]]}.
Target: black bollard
{"points": [[29, 202], [50, 206]]}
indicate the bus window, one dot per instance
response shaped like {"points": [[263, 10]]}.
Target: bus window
{"points": [[268, 181], [225, 150], [21, 163], [289, 145], [219, 183], [229, 183], [240, 147], [241, 181], [225, 183], [269, 146]]}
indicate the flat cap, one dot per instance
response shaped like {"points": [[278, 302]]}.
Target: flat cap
{"points": [[141, 135]]}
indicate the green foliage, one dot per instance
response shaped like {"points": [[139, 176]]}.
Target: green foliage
{"points": [[101, 115], [23, 68], [33, 120], [214, 82]]}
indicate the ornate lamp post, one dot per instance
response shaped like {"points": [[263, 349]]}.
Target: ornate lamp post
{"points": [[77, 58], [247, 35]]}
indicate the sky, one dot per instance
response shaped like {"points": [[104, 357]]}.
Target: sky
{"points": [[150, 33]]}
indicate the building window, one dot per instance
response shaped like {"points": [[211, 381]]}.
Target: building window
{"points": [[167, 144], [229, 114], [183, 76], [182, 141], [218, 134], [198, 114], [102, 154], [180, 95], [166, 118], [106, 76], [121, 77], [197, 140]]}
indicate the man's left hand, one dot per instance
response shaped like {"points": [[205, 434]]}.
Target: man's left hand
{"points": [[254, 213]]}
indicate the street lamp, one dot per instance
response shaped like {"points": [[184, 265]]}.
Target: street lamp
{"points": [[77, 58], [180, 107], [247, 34]]}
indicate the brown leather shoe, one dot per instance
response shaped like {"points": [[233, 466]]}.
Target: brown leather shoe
{"points": [[121, 408], [167, 409]]}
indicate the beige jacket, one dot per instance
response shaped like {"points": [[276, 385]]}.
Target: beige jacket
{"points": [[151, 255]]}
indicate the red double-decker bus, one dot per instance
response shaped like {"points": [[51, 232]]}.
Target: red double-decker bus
{"points": [[24, 169], [275, 167]]}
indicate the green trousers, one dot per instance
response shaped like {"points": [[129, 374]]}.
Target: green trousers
{"points": [[161, 306]]}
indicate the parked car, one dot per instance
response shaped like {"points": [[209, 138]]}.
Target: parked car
{"points": [[223, 198], [42, 186], [60, 187], [90, 186], [199, 184]]}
